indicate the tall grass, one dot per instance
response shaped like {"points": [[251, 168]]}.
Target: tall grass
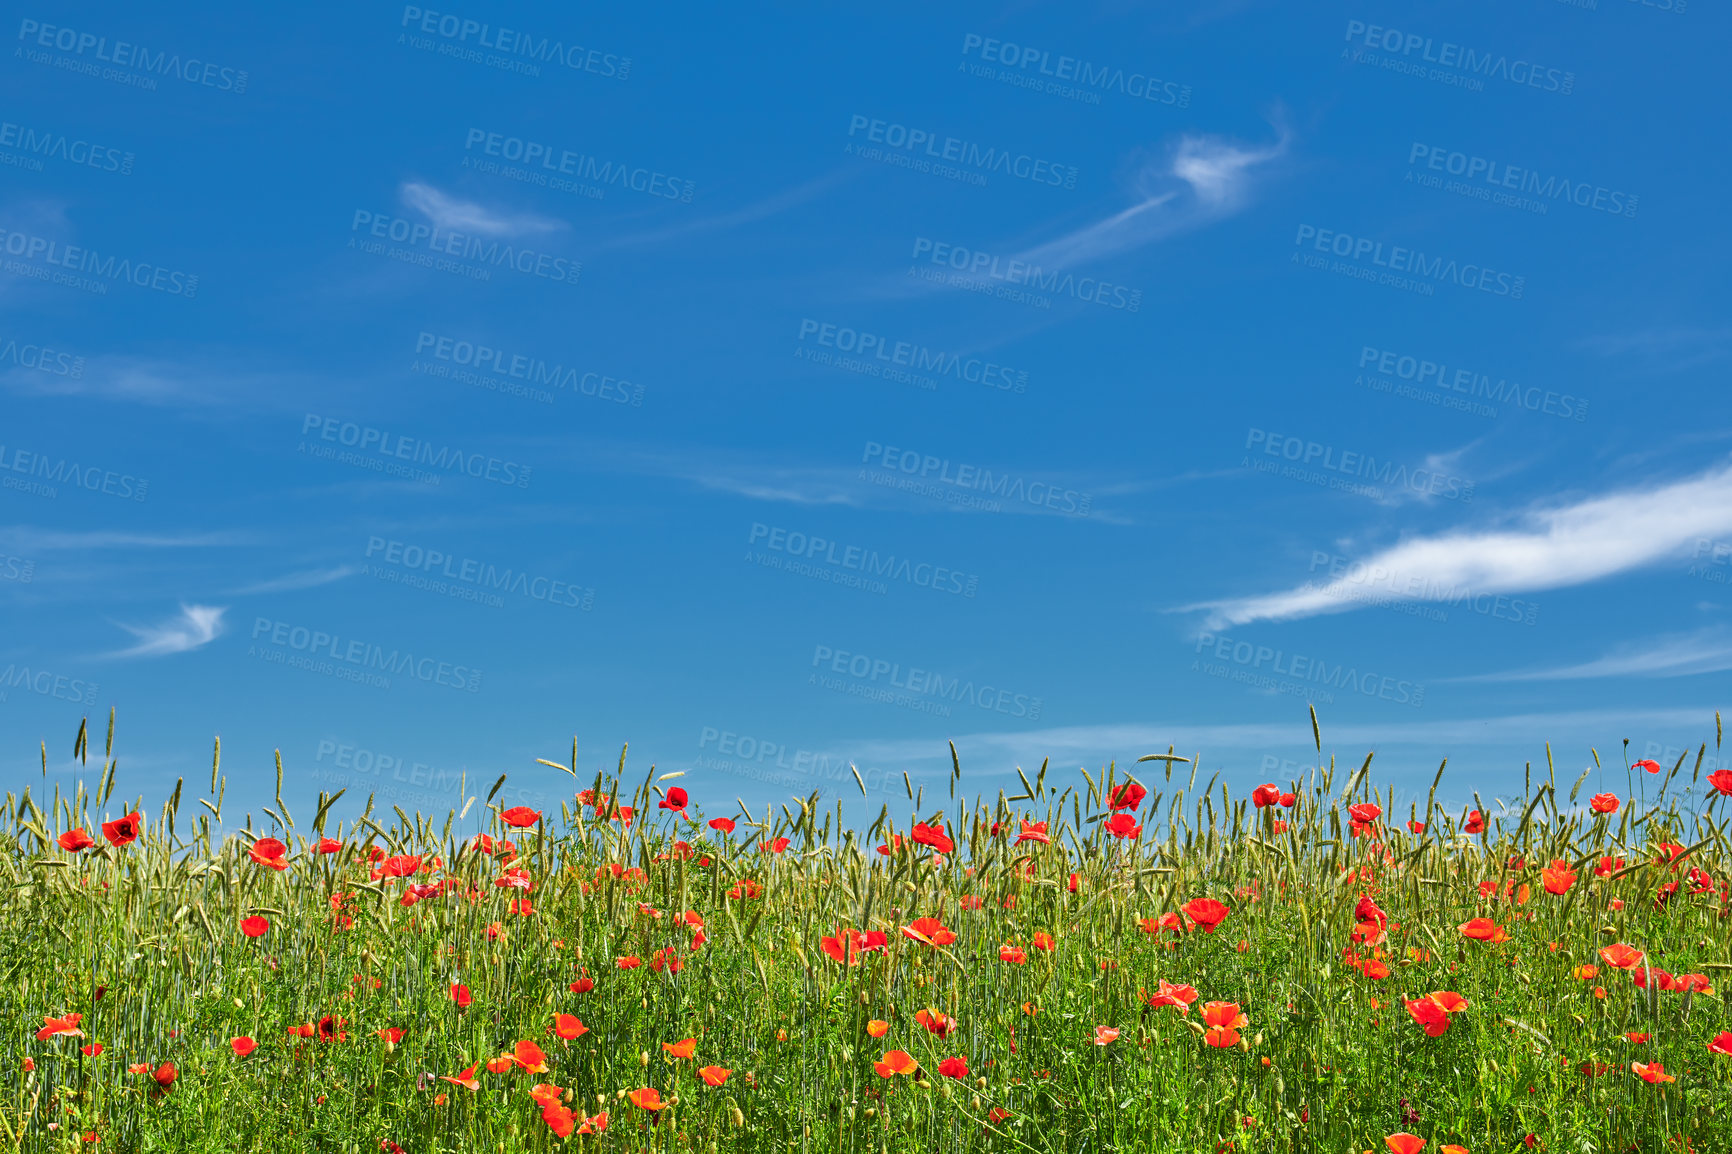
{"points": [[1333, 925]]}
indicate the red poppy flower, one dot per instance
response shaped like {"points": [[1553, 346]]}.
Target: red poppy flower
{"points": [[1483, 930], [1721, 1043], [391, 1034], [1266, 795], [567, 1026], [1222, 1022], [674, 800], [519, 816], [647, 1099], [93, 1050], [165, 1075], [1015, 955], [1034, 831], [1127, 796], [936, 1022], [843, 948], [529, 1057], [1123, 825], [1652, 1072], [1604, 803], [714, 1075], [124, 831], [776, 846], [724, 824], [327, 845], [255, 926], [1429, 1015], [500, 1064], [1179, 997], [929, 932], [630, 962], [1475, 822], [1365, 812], [1043, 941], [268, 851], [1366, 910], [1416, 827], [1558, 877], [75, 841], [1206, 912], [954, 1067], [1105, 1035], [460, 995], [1648, 764], [242, 1046], [595, 1124], [896, 1062], [1289, 800], [681, 1049], [466, 1079], [1721, 780], [934, 836], [583, 985], [1621, 957], [67, 1025], [1404, 1143]]}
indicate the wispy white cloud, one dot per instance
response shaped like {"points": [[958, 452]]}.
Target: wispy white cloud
{"points": [[194, 626], [1545, 547], [448, 212], [305, 579], [772, 205], [1674, 655], [28, 537], [1200, 180]]}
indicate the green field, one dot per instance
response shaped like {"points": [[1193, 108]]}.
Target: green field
{"points": [[1317, 967]]}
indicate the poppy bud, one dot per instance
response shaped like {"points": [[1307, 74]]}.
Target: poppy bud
{"points": [[737, 1118], [974, 1103], [980, 1082], [643, 1057]]}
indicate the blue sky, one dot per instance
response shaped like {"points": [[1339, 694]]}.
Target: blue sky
{"points": [[411, 389]]}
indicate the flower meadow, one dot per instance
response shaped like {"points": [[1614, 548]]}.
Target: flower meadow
{"points": [[1135, 961]]}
